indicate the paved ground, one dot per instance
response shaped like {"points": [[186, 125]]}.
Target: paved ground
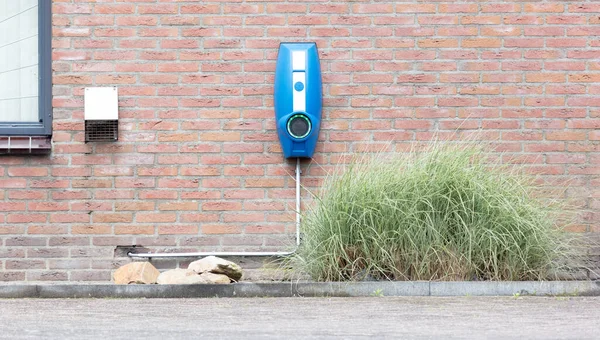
{"points": [[303, 318]]}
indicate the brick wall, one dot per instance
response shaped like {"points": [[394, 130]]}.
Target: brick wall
{"points": [[198, 167]]}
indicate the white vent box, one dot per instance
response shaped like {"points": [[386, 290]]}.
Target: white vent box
{"points": [[101, 113]]}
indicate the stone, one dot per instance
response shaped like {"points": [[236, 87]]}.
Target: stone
{"points": [[173, 276], [187, 277], [179, 276], [136, 272], [217, 265], [208, 277]]}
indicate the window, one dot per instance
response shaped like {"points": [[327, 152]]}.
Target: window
{"points": [[25, 72]]}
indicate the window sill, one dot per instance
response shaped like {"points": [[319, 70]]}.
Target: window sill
{"points": [[20, 145]]}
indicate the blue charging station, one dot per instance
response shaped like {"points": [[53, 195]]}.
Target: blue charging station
{"points": [[298, 97]]}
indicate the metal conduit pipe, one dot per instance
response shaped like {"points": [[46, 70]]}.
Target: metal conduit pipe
{"points": [[277, 253]]}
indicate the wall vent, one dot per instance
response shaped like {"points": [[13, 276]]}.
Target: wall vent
{"points": [[101, 114], [101, 130]]}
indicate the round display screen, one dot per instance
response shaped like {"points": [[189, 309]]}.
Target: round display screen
{"points": [[299, 126]]}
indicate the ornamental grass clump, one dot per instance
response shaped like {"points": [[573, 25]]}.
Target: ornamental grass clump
{"points": [[445, 213]]}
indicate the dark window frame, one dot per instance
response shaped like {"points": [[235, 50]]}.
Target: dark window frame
{"points": [[44, 126]]}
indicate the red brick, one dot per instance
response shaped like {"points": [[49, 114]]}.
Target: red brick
{"points": [[178, 206], [481, 43], [199, 9], [154, 217], [220, 229], [70, 218], [112, 217], [584, 8], [25, 264], [114, 9], [134, 230], [221, 205], [199, 217], [27, 172], [13, 183], [544, 8], [565, 135], [59, 8], [27, 195], [177, 229], [97, 229], [263, 206], [142, 20]]}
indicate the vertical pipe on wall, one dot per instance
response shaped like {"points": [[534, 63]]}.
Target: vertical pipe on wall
{"points": [[298, 172]]}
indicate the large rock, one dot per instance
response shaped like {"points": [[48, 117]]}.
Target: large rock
{"points": [[179, 276], [217, 265], [186, 276], [136, 272], [214, 278], [173, 276]]}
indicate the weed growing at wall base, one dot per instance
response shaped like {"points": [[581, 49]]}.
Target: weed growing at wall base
{"points": [[445, 213]]}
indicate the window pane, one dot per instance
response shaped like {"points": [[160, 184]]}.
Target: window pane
{"points": [[19, 57]]}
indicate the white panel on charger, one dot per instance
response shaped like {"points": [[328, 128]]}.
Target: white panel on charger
{"points": [[298, 60], [299, 97]]}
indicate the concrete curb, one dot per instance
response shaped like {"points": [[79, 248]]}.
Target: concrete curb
{"points": [[305, 289]]}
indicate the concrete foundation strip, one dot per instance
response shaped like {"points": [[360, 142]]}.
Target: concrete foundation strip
{"points": [[305, 289]]}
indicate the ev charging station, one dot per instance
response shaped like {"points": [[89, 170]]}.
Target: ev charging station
{"points": [[298, 97]]}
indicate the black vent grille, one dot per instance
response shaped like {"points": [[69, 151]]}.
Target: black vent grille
{"points": [[101, 130]]}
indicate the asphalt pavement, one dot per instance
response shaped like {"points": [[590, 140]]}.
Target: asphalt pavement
{"points": [[377, 317]]}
